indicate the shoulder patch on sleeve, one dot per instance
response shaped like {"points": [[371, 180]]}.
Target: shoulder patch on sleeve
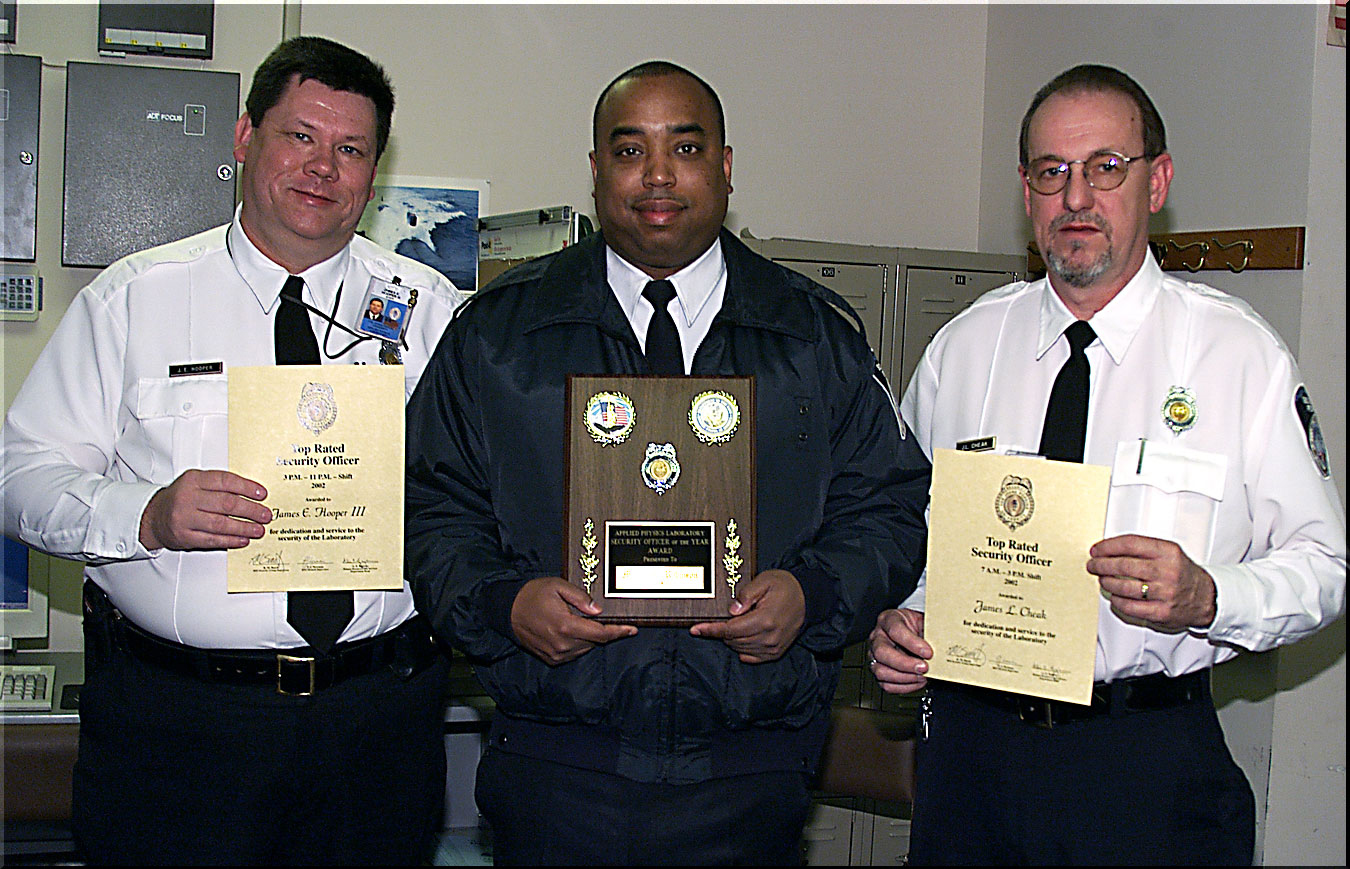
{"points": [[1312, 432]]}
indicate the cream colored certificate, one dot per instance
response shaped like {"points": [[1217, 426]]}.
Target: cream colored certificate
{"points": [[1009, 602], [327, 443]]}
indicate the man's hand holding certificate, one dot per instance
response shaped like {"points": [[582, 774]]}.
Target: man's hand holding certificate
{"points": [[1009, 602], [327, 443]]}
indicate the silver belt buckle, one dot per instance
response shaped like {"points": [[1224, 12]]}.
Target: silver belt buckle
{"points": [[293, 659]]}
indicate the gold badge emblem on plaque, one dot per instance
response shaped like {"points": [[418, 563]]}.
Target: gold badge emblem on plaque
{"points": [[609, 417], [714, 416], [660, 470]]}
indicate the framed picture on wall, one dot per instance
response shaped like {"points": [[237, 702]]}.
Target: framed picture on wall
{"points": [[431, 220]]}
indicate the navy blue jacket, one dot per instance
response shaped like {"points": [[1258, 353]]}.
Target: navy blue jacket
{"points": [[841, 497]]}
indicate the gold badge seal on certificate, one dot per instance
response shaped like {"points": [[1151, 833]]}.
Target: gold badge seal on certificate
{"points": [[326, 441], [1009, 602], [660, 498]]}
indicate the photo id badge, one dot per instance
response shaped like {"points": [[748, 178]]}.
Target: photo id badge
{"points": [[385, 309]]}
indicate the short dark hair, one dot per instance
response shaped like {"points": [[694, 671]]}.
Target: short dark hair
{"points": [[1090, 77], [331, 64], [654, 69]]}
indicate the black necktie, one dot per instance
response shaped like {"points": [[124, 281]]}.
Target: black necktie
{"points": [[318, 616], [294, 339], [664, 355], [1067, 411]]}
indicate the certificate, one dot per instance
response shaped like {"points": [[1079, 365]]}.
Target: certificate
{"points": [[326, 441], [1009, 602]]}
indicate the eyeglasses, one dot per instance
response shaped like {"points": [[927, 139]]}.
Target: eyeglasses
{"points": [[1104, 170]]}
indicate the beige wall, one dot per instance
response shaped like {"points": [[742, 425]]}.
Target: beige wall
{"points": [[848, 123], [870, 124], [1306, 820]]}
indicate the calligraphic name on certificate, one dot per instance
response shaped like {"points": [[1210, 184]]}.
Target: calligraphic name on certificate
{"points": [[1009, 602], [326, 441]]}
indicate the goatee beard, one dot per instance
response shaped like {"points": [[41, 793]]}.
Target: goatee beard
{"points": [[1078, 276]]}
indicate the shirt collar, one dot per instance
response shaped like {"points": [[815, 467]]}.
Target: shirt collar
{"points": [[694, 284], [265, 278], [1116, 324]]}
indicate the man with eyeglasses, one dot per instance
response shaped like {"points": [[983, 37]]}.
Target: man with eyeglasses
{"points": [[1223, 529]]}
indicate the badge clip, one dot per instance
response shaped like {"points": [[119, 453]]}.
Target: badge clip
{"points": [[385, 309]]}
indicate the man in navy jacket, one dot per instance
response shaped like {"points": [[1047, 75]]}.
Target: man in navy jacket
{"points": [[612, 744]]}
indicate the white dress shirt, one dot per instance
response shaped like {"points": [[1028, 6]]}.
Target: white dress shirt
{"points": [[1241, 491], [699, 288], [100, 426]]}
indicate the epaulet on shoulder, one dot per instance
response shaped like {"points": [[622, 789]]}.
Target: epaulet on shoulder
{"points": [[991, 297], [1009, 289], [1235, 307], [1219, 297], [526, 273], [826, 295], [397, 264], [176, 252]]}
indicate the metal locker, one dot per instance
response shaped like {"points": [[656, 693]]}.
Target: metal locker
{"points": [[904, 295], [866, 287], [932, 297]]}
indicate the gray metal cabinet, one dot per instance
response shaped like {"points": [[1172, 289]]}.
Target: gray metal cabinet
{"points": [[902, 294]]}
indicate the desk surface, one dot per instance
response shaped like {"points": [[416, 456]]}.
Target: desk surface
{"points": [[39, 761], [69, 671]]}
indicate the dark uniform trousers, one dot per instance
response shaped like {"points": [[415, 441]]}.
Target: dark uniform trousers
{"points": [[546, 813], [174, 769], [1148, 787]]}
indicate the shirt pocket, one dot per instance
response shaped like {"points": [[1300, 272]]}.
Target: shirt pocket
{"points": [[1167, 491], [179, 424]]}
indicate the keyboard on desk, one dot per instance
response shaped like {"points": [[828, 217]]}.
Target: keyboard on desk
{"points": [[26, 687]]}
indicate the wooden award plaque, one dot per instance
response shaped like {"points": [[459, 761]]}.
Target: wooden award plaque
{"points": [[660, 498]]}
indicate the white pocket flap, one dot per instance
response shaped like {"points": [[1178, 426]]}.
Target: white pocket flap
{"points": [[163, 396], [1169, 468]]}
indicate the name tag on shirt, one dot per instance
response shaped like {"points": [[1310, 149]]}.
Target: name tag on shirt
{"points": [[193, 368]]}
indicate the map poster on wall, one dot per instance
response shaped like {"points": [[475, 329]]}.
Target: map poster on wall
{"points": [[431, 220]]}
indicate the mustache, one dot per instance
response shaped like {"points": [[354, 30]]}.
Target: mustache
{"points": [[1084, 217], [658, 196]]}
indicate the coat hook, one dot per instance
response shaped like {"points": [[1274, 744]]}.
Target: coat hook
{"points": [[1247, 248], [1204, 252]]}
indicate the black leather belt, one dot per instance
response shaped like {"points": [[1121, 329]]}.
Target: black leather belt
{"points": [[1115, 699], [408, 649]]}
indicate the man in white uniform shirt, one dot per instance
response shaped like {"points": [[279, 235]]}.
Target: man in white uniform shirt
{"points": [[1224, 530], [211, 730]]}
